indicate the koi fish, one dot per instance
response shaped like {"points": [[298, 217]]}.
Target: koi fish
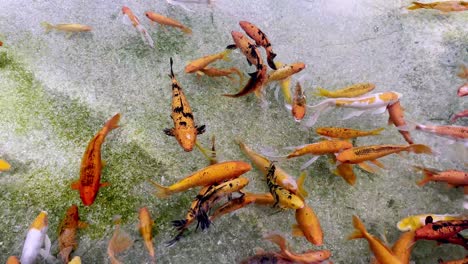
{"points": [[319, 148], [459, 115], [201, 63], [185, 131], [440, 229], [91, 165], [241, 202], [35, 239], [67, 232], [216, 72], [453, 133], [304, 258], [262, 163], [373, 104], [120, 242], [463, 90], [298, 108], [460, 261], [286, 71], [383, 254], [207, 176], [451, 177], [358, 155], [4, 166], [414, 222], [12, 260], [346, 133], [283, 197], [346, 172], [354, 90], [446, 6], [130, 19], [165, 21], [69, 28], [146, 227], [308, 225], [402, 247], [396, 116], [261, 40]]}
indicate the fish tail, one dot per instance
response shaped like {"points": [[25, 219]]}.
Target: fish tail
{"points": [[47, 26], [428, 173], [146, 36], [249, 87], [203, 219], [300, 185], [270, 56], [360, 230], [161, 191], [186, 30], [321, 107], [113, 123], [417, 5], [377, 131], [120, 242], [226, 54], [179, 224], [322, 92], [419, 149], [278, 240]]}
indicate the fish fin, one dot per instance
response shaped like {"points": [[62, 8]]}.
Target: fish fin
{"points": [[377, 131], [322, 92], [285, 88], [296, 230], [4, 166], [419, 149], [248, 62], [309, 162], [379, 110], [200, 129], [120, 241], [82, 224], [377, 163], [169, 131], [248, 88], [349, 178], [47, 26], [179, 224], [145, 35], [300, 185], [75, 185], [427, 178], [45, 252], [360, 229], [186, 30], [199, 73], [366, 167], [231, 47], [270, 57], [126, 20], [354, 113], [209, 154], [278, 240], [113, 123], [416, 5], [69, 35], [161, 191], [319, 108], [288, 107], [226, 54], [104, 184]]}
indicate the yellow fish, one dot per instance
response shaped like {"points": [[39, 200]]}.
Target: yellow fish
{"points": [[4, 166], [354, 90]]}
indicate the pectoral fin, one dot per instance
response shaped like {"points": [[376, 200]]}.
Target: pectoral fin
{"points": [[366, 167], [75, 185], [353, 114], [377, 163], [104, 184], [169, 132]]}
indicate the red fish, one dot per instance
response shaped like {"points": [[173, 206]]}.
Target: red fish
{"points": [[91, 165], [440, 230]]}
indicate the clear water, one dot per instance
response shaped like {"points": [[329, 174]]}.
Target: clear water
{"points": [[56, 93]]}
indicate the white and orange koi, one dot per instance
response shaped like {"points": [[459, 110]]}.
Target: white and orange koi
{"points": [[130, 19], [372, 104], [35, 239]]}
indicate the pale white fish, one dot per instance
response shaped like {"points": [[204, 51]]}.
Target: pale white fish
{"points": [[36, 238]]}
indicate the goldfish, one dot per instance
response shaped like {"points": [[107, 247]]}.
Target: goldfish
{"points": [[207, 176], [460, 261], [319, 148], [146, 230], [373, 104], [463, 90], [346, 133], [306, 257], [358, 155], [201, 63], [453, 133], [130, 19], [260, 39], [67, 232], [262, 163], [91, 165], [459, 115], [414, 222], [119, 242], [440, 229], [185, 131], [345, 171], [446, 6], [69, 28], [12, 260], [402, 247], [286, 71], [451, 177], [165, 21], [216, 72], [396, 116], [298, 108], [354, 90], [242, 201], [35, 239], [75, 260], [308, 225], [284, 198], [382, 253], [4, 166]]}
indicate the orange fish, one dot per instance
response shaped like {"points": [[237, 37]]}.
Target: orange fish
{"points": [[402, 247], [459, 115], [451, 177], [308, 225], [346, 133], [298, 109], [260, 39], [241, 202], [165, 21], [201, 63], [91, 165], [358, 155], [453, 133], [217, 72], [396, 114], [185, 131], [130, 18], [319, 148], [446, 6], [12, 260], [146, 230], [67, 232]]}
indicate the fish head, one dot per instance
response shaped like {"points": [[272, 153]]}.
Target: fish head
{"points": [[72, 212], [147, 14], [88, 195], [243, 167], [237, 36], [125, 10], [241, 183], [295, 202], [299, 66], [245, 25], [41, 221]]}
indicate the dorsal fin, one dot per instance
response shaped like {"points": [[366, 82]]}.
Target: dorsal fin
{"points": [[428, 220]]}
